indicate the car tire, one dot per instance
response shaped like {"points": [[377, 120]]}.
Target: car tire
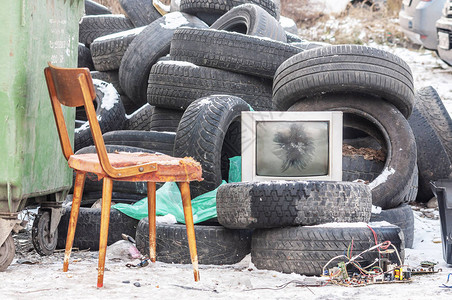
{"points": [[164, 119], [393, 184], [215, 245], [401, 216], [175, 85], [87, 231], [251, 19], [432, 159], [146, 48], [209, 131], [108, 50], [344, 69], [306, 250], [162, 142], [92, 27], [140, 12], [94, 8], [110, 77], [432, 107], [357, 167], [84, 59], [230, 51], [110, 111], [211, 10], [140, 119], [288, 203]]}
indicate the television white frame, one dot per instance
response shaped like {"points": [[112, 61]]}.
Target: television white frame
{"points": [[249, 120]]}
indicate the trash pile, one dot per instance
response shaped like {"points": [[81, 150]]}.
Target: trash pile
{"points": [[177, 84]]}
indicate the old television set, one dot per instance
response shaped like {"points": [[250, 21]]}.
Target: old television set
{"points": [[291, 146]]}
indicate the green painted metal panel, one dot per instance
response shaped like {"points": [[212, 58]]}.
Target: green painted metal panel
{"points": [[33, 33]]}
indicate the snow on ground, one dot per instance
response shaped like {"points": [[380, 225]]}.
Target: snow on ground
{"points": [[242, 280]]}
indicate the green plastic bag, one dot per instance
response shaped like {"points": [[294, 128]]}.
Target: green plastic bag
{"points": [[169, 201], [235, 169]]}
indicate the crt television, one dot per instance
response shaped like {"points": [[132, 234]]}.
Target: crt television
{"points": [[291, 145]]}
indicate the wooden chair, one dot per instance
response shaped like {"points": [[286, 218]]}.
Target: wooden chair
{"points": [[73, 87]]}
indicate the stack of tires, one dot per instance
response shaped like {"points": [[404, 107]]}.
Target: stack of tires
{"points": [[183, 86], [135, 110], [301, 225], [143, 91]]}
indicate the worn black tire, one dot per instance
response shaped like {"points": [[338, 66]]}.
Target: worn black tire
{"points": [[87, 231], [215, 245], [107, 51], [110, 77], [432, 159], [230, 51], [164, 119], [363, 126], [175, 84], [401, 216], [110, 110], [94, 8], [7, 252], [392, 185], [344, 69], [288, 203], [144, 51], [124, 190], [413, 187], [432, 107], [151, 140], [140, 12], [140, 119], [251, 19], [293, 38], [84, 59], [213, 9], [92, 27], [43, 240], [357, 167], [129, 105], [80, 114], [209, 131], [306, 249]]}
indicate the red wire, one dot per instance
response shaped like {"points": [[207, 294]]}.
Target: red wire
{"points": [[385, 245], [375, 235]]}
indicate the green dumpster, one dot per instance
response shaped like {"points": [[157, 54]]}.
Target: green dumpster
{"points": [[32, 166]]}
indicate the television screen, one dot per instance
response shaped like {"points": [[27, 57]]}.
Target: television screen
{"points": [[291, 145], [288, 149]]}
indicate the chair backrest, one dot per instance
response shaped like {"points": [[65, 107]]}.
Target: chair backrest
{"points": [[74, 87]]}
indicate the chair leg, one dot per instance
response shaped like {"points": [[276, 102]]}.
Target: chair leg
{"points": [[76, 199], [151, 216], [104, 221], [188, 214]]}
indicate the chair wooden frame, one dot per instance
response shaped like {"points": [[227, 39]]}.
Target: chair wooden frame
{"points": [[73, 87]]}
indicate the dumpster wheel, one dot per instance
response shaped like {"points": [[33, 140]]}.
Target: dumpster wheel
{"points": [[43, 240], [7, 251]]}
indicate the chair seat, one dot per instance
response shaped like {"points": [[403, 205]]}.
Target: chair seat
{"points": [[168, 168]]}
